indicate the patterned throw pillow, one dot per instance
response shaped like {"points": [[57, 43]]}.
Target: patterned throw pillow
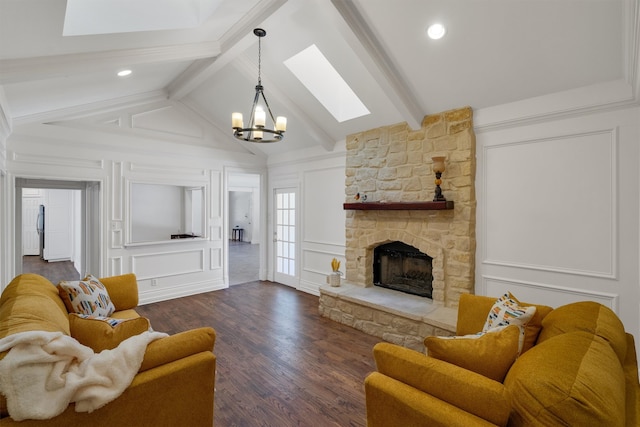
{"points": [[87, 296], [104, 333], [487, 353], [507, 311]]}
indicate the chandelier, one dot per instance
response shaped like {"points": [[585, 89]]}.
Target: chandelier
{"points": [[257, 131]]}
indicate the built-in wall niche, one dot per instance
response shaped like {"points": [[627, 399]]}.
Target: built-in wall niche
{"points": [[165, 212]]}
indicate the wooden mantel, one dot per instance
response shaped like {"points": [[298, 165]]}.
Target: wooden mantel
{"points": [[387, 206]]}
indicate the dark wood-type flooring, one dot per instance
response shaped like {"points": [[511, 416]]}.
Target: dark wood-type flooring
{"points": [[54, 271], [279, 363]]}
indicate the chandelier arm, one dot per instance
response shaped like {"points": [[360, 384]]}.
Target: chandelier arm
{"points": [[273, 120], [253, 107]]}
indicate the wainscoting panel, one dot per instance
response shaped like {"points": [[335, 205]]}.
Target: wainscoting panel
{"points": [[166, 171], [551, 203], [115, 266], [58, 161], [317, 209], [215, 215], [550, 295], [167, 120], [319, 261], [150, 295], [167, 264], [215, 258], [116, 236], [117, 191]]}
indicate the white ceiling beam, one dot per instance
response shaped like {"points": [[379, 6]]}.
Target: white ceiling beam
{"points": [[6, 123], [632, 51], [385, 72], [233, 43], [316, 132], [43, 67]]}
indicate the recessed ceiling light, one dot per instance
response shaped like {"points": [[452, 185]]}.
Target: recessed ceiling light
{"points": [[436, 31], [124, 73]]}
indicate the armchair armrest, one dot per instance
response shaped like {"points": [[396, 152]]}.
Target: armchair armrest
{"points": [[123, 290], [457, 386], [179, 393], [178, 346]]}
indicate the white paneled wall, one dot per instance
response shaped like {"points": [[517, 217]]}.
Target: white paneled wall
{"points": [[558, 209], [321, 232], [165, 269], [557, 193]]}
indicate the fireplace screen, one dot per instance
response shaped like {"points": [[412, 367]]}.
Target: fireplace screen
{"points": [[404, 268]]}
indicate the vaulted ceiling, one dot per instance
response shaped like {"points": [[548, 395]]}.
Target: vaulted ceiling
{"points": [[494, 52]]}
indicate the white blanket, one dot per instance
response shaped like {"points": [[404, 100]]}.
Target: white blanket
{"points": [[45, 371]]}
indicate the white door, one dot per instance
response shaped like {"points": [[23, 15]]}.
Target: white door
{"points": [[285, 236], [58, 219]]}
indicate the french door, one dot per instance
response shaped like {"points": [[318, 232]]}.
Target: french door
{"points": [[285, 236]]}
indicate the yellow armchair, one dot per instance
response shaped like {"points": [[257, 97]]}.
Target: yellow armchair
{"points": [[578, 367]]}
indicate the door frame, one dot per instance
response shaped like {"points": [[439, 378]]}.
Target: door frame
{"points": [[90, 218], [262, 235]]}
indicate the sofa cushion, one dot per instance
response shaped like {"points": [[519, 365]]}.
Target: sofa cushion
{"points": [[508, 311], [472, 315], [31, 303], [490, 354], [88, 296], [573, 379], [123, 290], [104, 333], [590, 317]]}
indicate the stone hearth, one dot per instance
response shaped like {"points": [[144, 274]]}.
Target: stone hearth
{"points": [[391, 315], [394, 164]]}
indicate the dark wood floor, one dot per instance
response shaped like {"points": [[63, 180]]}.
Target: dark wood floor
{"points": [[278, 362], [54, 271]]}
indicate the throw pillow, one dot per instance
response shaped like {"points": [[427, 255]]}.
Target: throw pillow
{"points": [[508, 311], [487, 353], [87, 296], [104, 333]]}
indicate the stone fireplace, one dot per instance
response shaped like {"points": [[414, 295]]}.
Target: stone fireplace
{"points": [[392, 167]]}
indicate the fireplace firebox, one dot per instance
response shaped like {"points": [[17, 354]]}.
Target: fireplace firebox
{"points": [[402, 267]]}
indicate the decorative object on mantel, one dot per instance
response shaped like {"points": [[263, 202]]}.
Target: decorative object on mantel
{"points": [[362, 198], [256, 130], [438, 168], [334, 277]]}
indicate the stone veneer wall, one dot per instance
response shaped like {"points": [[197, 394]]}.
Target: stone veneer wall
{"points": [[392, 164]]}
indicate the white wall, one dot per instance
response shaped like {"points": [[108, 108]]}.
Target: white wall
{"points": [[320, 181], [558, 204], [116, 160]]}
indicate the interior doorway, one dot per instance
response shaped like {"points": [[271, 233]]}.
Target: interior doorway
{"points": [[244, 225], [59, 227]]}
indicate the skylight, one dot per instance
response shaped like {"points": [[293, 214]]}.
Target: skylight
{"points": [[317, 74], [84, 17]]}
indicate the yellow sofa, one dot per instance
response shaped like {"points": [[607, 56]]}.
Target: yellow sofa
{"points": [[581, 371], [173, 387]]}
